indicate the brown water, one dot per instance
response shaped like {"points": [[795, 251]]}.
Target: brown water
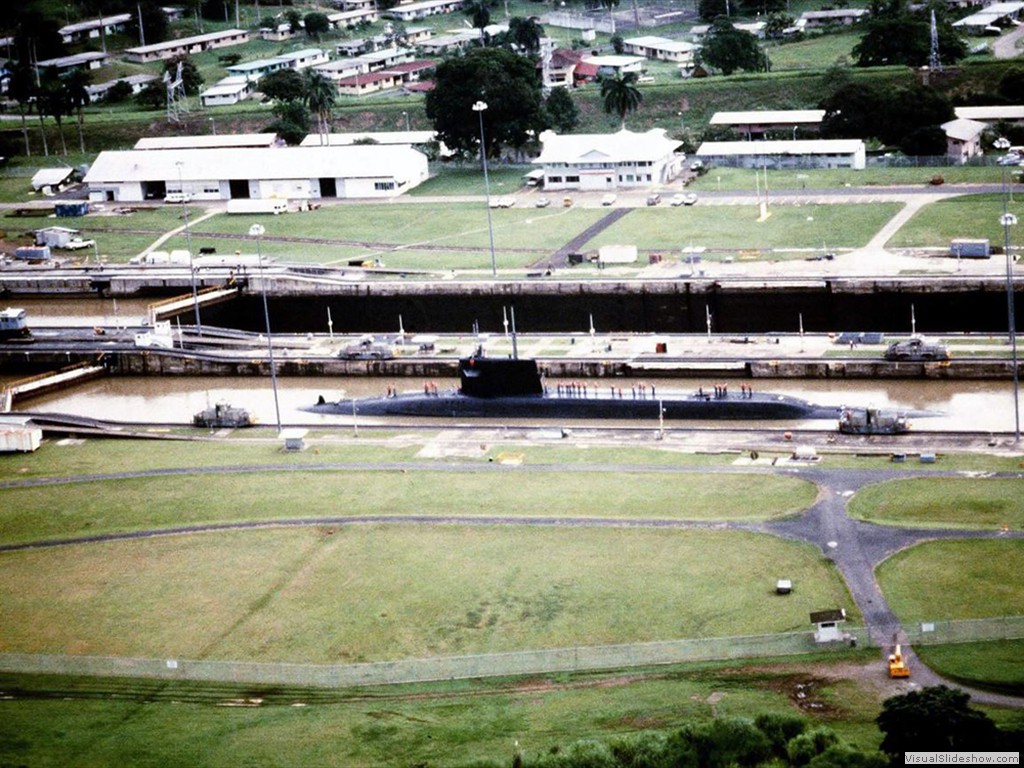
{"points": [[962, 406]]}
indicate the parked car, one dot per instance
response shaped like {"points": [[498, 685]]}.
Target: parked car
{"points": [[178, 197], [77, 243], [653, 199], [677, 200], [608, 199], [506, 202], [689, 198], [542, 202], [367, 348], [696, 165], [916, 349]]}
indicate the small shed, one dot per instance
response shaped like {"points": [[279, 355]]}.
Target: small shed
{"points": [[617, 254], [55, 237], [22, 438], [294, 439], [50, 181], [827, 625]]}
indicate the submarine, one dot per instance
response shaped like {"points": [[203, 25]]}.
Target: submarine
{"points": [[493, 387]]}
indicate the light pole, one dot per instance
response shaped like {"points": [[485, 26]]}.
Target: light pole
{"points": [[406, 116], [257, 230], [1008, 220], [479, 108], [188, 245]]}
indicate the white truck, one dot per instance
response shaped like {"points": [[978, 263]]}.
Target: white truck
{"points": [[77, 243], [268, 205]]}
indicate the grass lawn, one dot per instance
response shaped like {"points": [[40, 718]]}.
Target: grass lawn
{"points": [[370, 593], [997, 664], [975, 216], [814, 53], [919, 581], [455, 180], [27, 514], [726, 179], [943, 502], [91, 723], [789, 226]]}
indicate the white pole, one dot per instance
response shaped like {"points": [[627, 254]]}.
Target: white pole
{"points": [[330, 324]]}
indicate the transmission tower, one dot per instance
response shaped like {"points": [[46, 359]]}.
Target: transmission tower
{"points": [[177, 102], [934, 62]]}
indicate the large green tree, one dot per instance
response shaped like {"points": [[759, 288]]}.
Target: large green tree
{"points": [[621, 96], [479, 12], [525, 33], [317, 25], [900, 37], [562, 111], [292, 121], [154, 21], [728, 49], [894, 116], [507, 82], [936, 718], [282, 85]]}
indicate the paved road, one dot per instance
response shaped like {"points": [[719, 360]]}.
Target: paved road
{"points": [[857, 548]]}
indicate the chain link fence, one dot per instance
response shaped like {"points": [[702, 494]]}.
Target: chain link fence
{"points": [[583, 658], [578, 659]]}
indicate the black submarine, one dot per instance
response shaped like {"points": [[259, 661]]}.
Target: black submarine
{"points": [[495, 387]]}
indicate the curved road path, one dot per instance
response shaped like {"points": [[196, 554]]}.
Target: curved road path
{"points": [[855, 547]]}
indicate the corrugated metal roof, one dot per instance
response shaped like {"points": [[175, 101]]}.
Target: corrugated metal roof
{"points": [[361, 161], [990, 113], [209, 141], [381, 137], [622, 146], [799, 147], [766, 116], [962, 129]]}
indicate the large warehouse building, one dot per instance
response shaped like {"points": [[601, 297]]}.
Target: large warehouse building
{"points": [[242, 173]]}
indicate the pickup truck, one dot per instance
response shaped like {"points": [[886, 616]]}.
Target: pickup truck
{"points": [[77, 243], [916, 350]]}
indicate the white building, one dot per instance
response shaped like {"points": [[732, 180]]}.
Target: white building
{"points": [[228, 91], [814, 153], [616, 65], [660, 48], [835, 17], [377, 137], [91, 29], [605, 161], [98, 92], [988, 19], [186, 46], [87, 60], [256, 173], [756, 123], [422, 9], [208, 141], [963, 138], [992, 115]]}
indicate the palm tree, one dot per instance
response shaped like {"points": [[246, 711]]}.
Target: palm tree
{"points": [[78, 97], [319, 95], [21, 87], [621, 96], [479, 12], [52, 100], [525, 33]]}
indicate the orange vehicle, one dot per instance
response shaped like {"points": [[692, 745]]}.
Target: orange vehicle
{"points": [[897, 664]]}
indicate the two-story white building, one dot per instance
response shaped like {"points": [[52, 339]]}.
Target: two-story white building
{"points": [[604, 161]]}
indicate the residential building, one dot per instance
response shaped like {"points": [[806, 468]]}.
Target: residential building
{"points": [[408, 138], [257, 173], [92, 29], [228, 91], [606, 161], [422, 9], [834, 17], [756, 28], [88, 60], [137, 82], [185, 46], [802, 153], [660, 48], [988, 19], [350, 18], [613, 66]]}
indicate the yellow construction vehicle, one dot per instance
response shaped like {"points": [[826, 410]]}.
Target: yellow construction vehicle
{"points": [[897, 664]]}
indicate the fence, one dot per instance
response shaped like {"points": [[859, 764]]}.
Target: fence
{"points": [[584, 658], [578, 659]]}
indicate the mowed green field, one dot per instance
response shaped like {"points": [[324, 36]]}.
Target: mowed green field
{"points": [[943, 502], [714, 226], [143, 503], [366, 593], [968, 579], [969, 216]]}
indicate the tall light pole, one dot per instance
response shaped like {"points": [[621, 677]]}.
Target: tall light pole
{"points": [[479, 108], [1008, 220], [406, 116], [188, 245], [257, 230]]}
